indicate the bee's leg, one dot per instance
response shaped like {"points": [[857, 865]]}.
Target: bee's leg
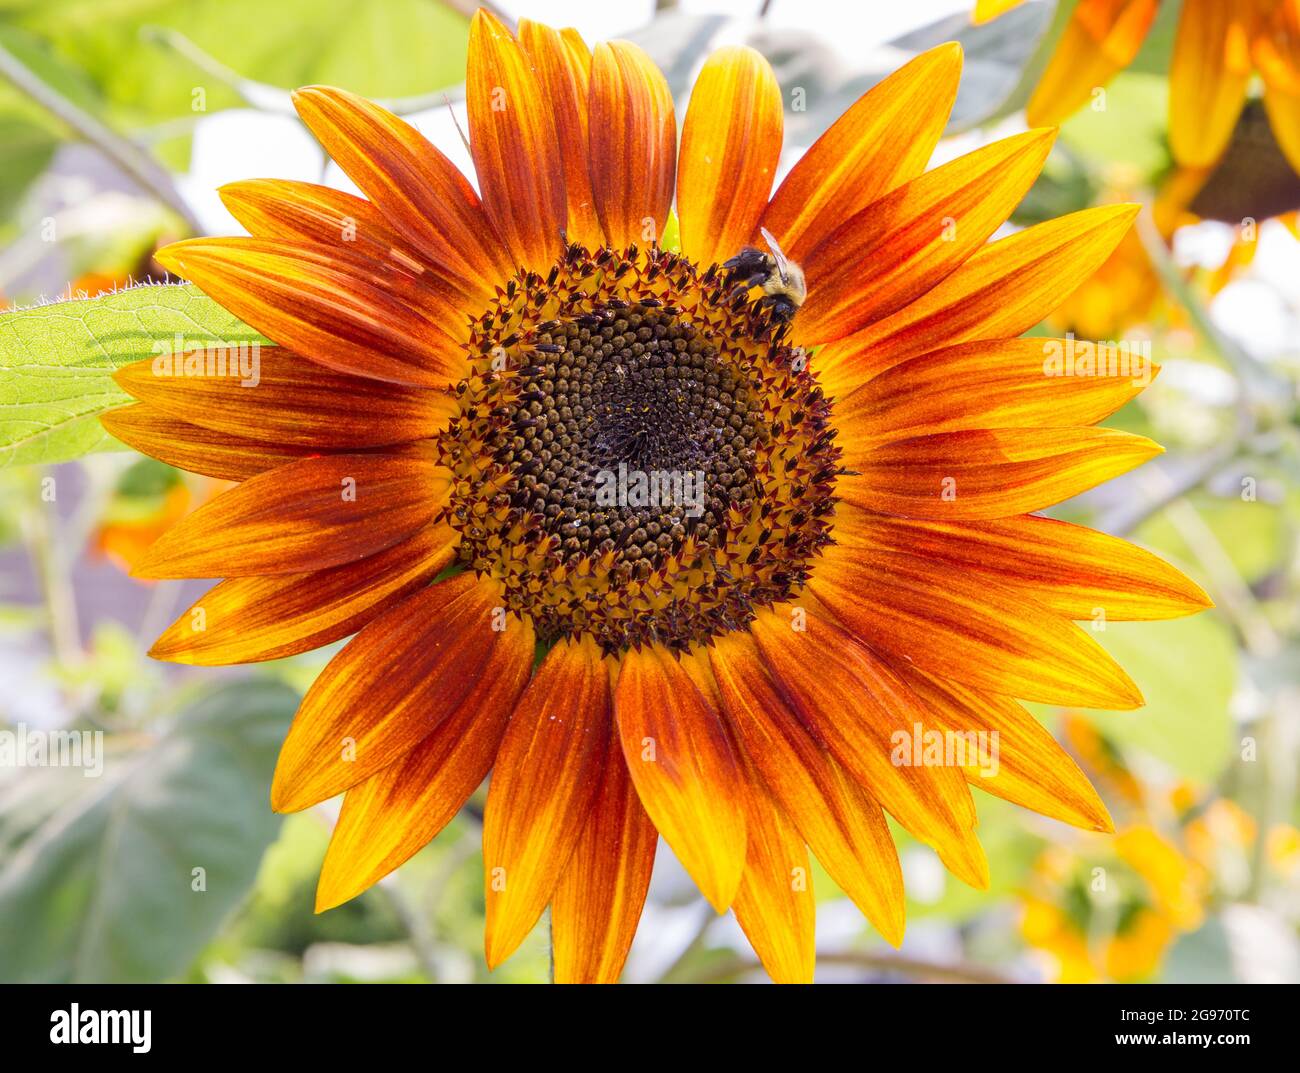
{"points": [[751, 266], [748, 262], [778, 306], [746, 285]]}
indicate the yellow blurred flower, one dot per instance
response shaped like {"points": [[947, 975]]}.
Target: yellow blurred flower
{"points": [[1101, 759], [1221, 45], [1283, 849], [1111, 911]]}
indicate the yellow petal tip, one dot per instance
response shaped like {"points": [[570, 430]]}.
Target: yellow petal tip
{"points": [[894, 931]]}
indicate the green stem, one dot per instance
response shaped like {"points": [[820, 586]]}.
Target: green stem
{"points": [[138, 164], [44, 545]]}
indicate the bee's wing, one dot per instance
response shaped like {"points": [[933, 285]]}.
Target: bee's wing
{"points": [[778, 255]]}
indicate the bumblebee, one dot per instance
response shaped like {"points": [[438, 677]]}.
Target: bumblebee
{"points": [[784, 288]]}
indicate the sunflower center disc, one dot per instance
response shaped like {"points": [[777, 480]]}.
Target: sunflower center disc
{"points": [[639, 454], [633, 434]]}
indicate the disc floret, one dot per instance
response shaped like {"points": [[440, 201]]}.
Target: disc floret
{"points": [[639, 453]]}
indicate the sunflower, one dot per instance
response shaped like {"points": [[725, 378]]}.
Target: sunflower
{"points": [[1251, 183], [1219, 47], [448, 455], [1111, 913]]}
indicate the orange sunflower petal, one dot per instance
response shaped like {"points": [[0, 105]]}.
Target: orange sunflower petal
{"points": [[1276, 51], [309, 515], [987, 10], [684, 769], [915, 236], [857, 706], [1006, 288], [400, 809], [1028, 767], [512, 136], [921, 612], [731, 141], [309, 212], [1101, 38], [598, 901], [249, 619], [1284, 117], [998, 383], [392, 685], [1208, 76], [333, 308], [563, 64], [633, 137], [1068, 569], [843, 826], [882, 141], [546, 776], [987, 473], [774, 904], [422, 194], [288, 400], [194, 448]]}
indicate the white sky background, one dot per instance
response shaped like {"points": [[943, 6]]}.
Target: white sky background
{"points": [[1259, 310]]}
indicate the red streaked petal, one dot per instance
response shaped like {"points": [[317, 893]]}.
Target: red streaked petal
{"points": [[915, 236], [309, 212], [1018, 759], [987, 473], [999, 383], [422, 194], [194, 448], [563, 64], [731, 141], [1068, 569], [286, 399], [967, 628], [393, 684], [882, 141], [401, 808], [308, 515], [598, 901], [249, 619], [545, 781], [633, 144], [512, 135], [684, 770], [843, 826], [854, 703], [774, 904], [344, 312], [1004, 289]]}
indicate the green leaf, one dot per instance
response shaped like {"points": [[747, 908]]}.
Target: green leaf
{"points": [[398, 48], [1129, 130], [1254, 534], [28, 134], [1187, 670], [57, 361], [25, 150], [102, 879]]}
